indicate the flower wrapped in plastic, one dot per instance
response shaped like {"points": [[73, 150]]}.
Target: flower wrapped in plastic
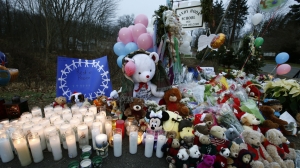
{"points": [[227, 118]]}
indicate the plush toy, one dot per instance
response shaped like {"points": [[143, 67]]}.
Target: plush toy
{"points": [[253, 143], [234, 151], [195, 156], [156, 119], [249, 121], [100, 101], [268, 113], [207, 161], [185, 129], [172, 99], [244, 159], [171, 134], [181, 160], [171, 147], [140, 69], [60, 101], [86, 103], [273, 145], [115, 109], [218, 136], [199, 130], [221, 158], [143, 125], [232, 134], [206, 147], [173, 123], [275, 104], [290, 153], [136, 108], [77, 98], [205, 117], [252, 90]]}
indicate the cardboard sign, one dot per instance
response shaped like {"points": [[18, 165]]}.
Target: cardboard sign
{"points": [[208, 70]]}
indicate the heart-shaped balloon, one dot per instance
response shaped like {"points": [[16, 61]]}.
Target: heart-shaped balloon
{"points": [[130, 68]]}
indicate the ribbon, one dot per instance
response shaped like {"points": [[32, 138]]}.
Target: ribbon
{"points": [[157, 114], [177, 65], [154, 36], [141, 84]]}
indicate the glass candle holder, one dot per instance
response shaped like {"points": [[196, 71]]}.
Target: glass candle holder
{"points": [[49, 114], [45, 122], [83, 110], [97, 162], [6, 152], [20, 144], [86, 163], [36, 120], [47, 131], [63, 128], [71, 143], [36, 112], [89, 122], [55, 145], [95, 132], [108, 127], [74, 109], [66, 110], [117, 135], [35, 147], [128, 122], [140, 137], [83, 138], [149, 142], [89, 114], [40, 131], [74, 122], [78, 116], [26, 115], [101, 140], [93, 109], [27, 128], [58, 122], [161, 140], [102, 110], [102, 119], [114, 122], [120, 124], [133, 139], [57, 110], [87, 148], [48, 109], [54, 117]]}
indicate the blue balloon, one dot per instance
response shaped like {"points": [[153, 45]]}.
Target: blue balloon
{"points": [[282, 57], [150, 50], [119, 60], [119, 49], [131, 47], [3, 60]]}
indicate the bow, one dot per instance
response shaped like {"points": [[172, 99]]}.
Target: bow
{"points": [[156, 114], [141, 84]]}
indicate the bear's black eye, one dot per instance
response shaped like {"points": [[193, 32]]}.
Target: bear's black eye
{"points": [[139, 73], [150, 70], [279, 136], [252, 138]]}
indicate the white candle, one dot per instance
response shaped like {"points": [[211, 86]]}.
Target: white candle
{"points": [[57, 110], [89, 122], [54, 117], [63, 128], [108, 128], [83, 138], [74, 122], [78, 116], [133, 139], [26, 128], [93, 109], [21, 147], [102, 119], [67, 116], [6, 152], [58, 122], [149, 142], [35, 147], [86, 163], [117, 145], [95, 132], [66, 110], [36, 112], [45, 122], [74, 109], [36, 120], [161, 139], [90, 114], [48, 109], [101, 140], [71, 142], [47, 131], [83, 110], [40, 130], [49, 114], [26, 115], [55, 145]]}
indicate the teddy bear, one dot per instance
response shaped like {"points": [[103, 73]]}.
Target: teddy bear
{"points": [[199, 130], [273, 145], [136, 108], [207, 161], [234, 151], [171, 147], [181, 160], [171, 134], [244, 159], [140, 68], [253, 143], [172, 99], [232, 134], [101, 101], [268, 113], [206, 147], [195, 156], [221, 158], [290, 153], [205, 117], [218, 136], [60, 101], [185, 129]]}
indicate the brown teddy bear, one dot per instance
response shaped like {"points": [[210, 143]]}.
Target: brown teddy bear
{"points": [[268, 112], [234, 151], [136, 108], [205, 117], [218, 136], [101, 101], [253, 143], [60, 101], [172, 99], [273, 145], [171, 134]]}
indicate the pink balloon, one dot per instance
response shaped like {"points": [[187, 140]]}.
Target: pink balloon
{"points": [[130, 68], [137, 30], [143, 19], [283, 69], [118, 40], [145, 41], [125, 35], [130, 27]]}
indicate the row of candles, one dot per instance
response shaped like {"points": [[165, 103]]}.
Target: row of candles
{"points": [[67, 126]]}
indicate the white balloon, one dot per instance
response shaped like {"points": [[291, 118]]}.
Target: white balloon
{"points": [[256, 19], [150, 30]]}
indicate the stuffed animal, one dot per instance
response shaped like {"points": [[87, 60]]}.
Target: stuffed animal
{"points": [[185, 129], [181, 160], [205, 117], [221, 158], [207, 161], [244, 159], [252, 90], [206, 147], [156, 119], [290, 153], [140, 69], [173, 123], [100, 101], [253, 143], [115, 110], [249, 121], [171, 147], [268, 113], [273, 145], [232, 134], [77, 98], [171, 134], [60, 101], [172, 99], [136, 108], [199, 130], [234, 151], [218, 136], [86, 103], [195, 156]]}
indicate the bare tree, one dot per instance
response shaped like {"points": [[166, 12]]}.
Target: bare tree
{"points": [[125, 21]]}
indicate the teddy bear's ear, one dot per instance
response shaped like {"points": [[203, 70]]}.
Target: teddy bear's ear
{"points": [[246, 133], [154, 56], [165, 116], [270, 134]]}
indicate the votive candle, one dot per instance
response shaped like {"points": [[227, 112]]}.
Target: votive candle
{"points": [[35, 147], [89, 122], [83, 138], [93, 109], [74, 122], [40, 131], [47, 131], [6, 152], [63, 128], [20, 144], [36, 112], [71, 143], [161, 140], [117, 135], [101, 140], [149, 142], [55, 145]]}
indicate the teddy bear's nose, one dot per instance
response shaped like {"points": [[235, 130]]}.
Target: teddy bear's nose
{"points": [[147, 76], [235, 155], [258, 144]]}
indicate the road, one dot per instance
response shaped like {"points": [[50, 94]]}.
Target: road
{"points": [[269, 67]]}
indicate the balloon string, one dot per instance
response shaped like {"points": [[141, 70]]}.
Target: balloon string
{"points": [[245, 62], [154, 36], [269, 23], [177, 65], [205, 56]]}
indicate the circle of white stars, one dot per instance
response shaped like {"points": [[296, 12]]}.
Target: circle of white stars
{"points": [[86, 63]]}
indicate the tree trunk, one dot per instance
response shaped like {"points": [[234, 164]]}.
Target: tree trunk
{"points": [[8, 21], [236, 14]]}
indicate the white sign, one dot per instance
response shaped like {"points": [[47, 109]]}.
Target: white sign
{"points": [[189, 14], [208, 70]]}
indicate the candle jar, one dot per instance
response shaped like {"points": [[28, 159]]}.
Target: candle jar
{"points": [[48, 109], [40, 131], [36, 112], [85, 155], [120, 124], [47, 131], [133, 139], [57, 110], [102, 119], [6, 152], [101, 140], [78, 116], [20, 144], [26, 115], [74, 108], [55, 145], [74, 164], [102, 110], [114, 122], [45, 122], [108, 127], [89, 122], [117, 135], [149, 142], [63, 128], [89, 114], [128, 122], [97, 162], [54, 117], [87, 148], [95, 132], [161, 139], [27, 128], [35, 147], [140, 137], [83, 110], [74, 122], [49, 114], [101, 150], [93, 109], [83, 138], [66, 110], [86, 163], [71, 143], [36, 120]]}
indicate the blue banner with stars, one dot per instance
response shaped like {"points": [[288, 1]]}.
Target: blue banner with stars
{"points": [[90, 77]]}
